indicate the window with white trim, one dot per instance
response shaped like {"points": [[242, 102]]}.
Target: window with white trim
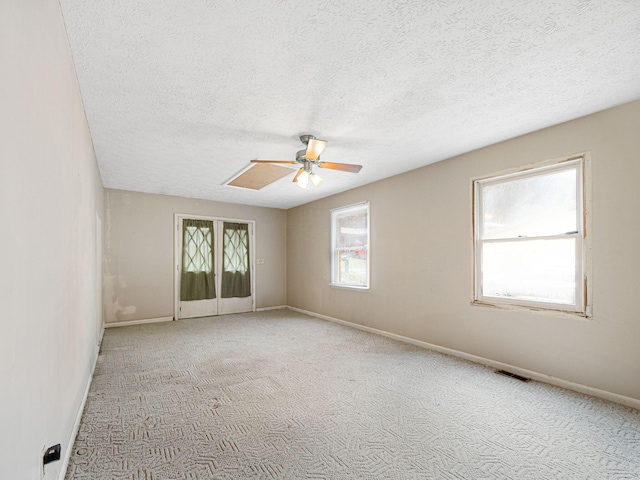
{"points": [[350, 246], [529, 235]]}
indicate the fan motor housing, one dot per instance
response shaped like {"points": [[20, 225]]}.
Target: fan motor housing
{"points": [[300, 156]]}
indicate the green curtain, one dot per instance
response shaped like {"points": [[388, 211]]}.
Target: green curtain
{"points": [[198, 277], [236, 276]]}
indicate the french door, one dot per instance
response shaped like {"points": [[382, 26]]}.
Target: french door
{"points": [[214, 272]]}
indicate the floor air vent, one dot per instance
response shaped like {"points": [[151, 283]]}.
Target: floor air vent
{"points": [[512, 375]]}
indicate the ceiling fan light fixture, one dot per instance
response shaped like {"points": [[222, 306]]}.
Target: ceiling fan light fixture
{"points": [[303, 180], [316, 179]]}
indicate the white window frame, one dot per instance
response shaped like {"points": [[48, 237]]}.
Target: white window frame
{"points": [[335, 213], [582, 306]]}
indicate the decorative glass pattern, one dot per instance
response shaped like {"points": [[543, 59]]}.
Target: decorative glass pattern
{"points": [[198, 278], [236, 250], [236, 275], [197, 249]]}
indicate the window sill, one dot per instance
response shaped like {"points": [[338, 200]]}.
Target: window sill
{"points": [[341, 286], [532, 308]]}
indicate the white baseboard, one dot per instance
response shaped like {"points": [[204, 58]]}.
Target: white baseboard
{"points": [[138, 322], [541, 377], [265, 309], [76, 424]]}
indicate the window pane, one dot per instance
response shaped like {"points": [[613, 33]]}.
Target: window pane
{"points": [[352, 269], [531, 270], [531, 206], [352, 232]]}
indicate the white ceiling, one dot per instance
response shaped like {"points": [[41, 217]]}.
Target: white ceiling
{"points": [[180, 95]]}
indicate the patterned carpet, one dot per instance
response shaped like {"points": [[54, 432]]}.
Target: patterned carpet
{"points": [[282, 395]]}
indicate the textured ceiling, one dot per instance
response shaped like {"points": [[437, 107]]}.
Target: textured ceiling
{"points": [[180, 95]]}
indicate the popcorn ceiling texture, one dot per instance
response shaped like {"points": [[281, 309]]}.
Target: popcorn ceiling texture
{"points": [[181, 95]]}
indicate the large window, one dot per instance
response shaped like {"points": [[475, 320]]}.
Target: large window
{"points": [[530, 238], [350, 246]]}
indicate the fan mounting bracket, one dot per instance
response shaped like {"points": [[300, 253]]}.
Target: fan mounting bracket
{"points": [[305, 138]]}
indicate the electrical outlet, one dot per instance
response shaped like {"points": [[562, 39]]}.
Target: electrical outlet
{"points": [[51, 454]]}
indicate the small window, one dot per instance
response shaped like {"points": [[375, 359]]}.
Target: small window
{"points": [[350, 246], [530, 238]]}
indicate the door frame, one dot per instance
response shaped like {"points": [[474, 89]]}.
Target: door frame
{"points": [[177, 255]]}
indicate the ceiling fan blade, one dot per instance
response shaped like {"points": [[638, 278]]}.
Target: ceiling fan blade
{"points": [[315, 148], [345, 167], [285, 162], [295, 179]]}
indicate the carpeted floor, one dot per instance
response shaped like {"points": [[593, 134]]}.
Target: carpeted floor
{"points": [[282, 395]]}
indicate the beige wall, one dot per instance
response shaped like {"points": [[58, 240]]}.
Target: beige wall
{"points": [[51, 204], [138, 278], [421, 232]]}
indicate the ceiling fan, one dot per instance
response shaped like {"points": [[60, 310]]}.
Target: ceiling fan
{"points": [[310, 157]]}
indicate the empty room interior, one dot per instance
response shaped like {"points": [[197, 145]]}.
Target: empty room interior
{"points": [[280, 240]]}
